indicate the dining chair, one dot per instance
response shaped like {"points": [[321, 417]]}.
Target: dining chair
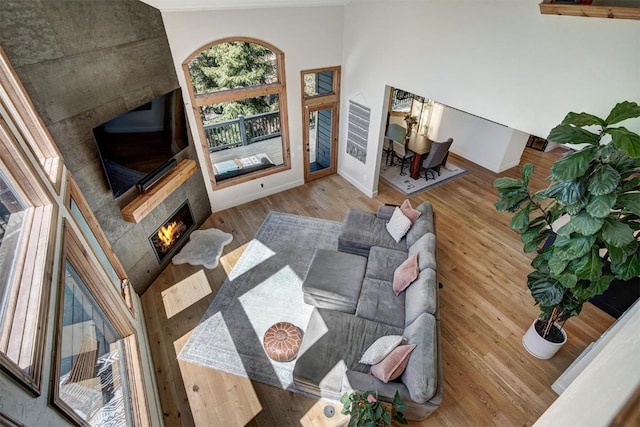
{"points": [[437, 157], [402, 153], [387, 150]]}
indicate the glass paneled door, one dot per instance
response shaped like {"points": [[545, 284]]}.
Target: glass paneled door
{"points": [[320, 102]]}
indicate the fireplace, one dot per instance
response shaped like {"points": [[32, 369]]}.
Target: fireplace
{"points": [[172, 233]]}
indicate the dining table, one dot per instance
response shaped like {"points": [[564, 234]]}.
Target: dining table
{"points": [[420, 145]]}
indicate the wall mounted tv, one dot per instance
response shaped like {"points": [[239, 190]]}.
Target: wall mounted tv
{"points": [[133, 145]]}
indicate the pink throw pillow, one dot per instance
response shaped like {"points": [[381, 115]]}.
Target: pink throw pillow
{"points": [[405, 274], [408, 211], [394, 364]]}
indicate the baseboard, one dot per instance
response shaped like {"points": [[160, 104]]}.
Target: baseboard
{"points": [[358, 185], [230, 203]]}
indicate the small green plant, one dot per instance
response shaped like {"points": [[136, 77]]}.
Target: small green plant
{"points": [[598, 190], [367, 411]]}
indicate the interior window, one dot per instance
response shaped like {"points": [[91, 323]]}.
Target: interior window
{"points": [[239, 90]]}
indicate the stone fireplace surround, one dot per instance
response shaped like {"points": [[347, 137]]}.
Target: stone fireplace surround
{"points": [[83, 63]]}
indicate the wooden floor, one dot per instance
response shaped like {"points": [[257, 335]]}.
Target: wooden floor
{"points": [[485, 309]]}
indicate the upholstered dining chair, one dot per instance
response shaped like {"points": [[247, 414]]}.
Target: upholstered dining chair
{"points": [[401, 153], [437, 157], [387, 150]]}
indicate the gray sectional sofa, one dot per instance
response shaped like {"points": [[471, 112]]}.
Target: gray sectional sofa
{"points": [[355, 305]]}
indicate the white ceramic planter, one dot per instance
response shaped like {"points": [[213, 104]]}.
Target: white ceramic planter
{"points": [[538, 346]]}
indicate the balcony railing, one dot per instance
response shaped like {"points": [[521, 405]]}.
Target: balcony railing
{"points": [[242, 131]]}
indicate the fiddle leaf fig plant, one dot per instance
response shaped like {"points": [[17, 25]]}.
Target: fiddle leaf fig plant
{"points": [[594, 193]]}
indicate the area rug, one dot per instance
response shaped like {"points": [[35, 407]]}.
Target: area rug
{"points": [[204, 248], [409, 186], [263, 288]]}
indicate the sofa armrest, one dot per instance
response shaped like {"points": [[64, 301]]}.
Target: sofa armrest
{"points": [[385, 212]]}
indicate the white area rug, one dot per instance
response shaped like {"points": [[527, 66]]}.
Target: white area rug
{"points": [[204, 248], [263, 288], [409, 186]]}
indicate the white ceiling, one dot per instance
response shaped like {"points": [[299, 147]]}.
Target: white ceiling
{"points": [[182, 5]]}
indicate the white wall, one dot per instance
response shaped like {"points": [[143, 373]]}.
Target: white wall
{"points": [[310, 37], [501, 60], [475, 138]]}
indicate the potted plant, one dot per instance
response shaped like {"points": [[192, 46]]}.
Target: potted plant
{"points": [[595, 193], [365, 409]]}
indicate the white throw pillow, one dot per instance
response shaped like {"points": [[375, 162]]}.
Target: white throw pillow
{"points": [[398, 225], [380, 349]]}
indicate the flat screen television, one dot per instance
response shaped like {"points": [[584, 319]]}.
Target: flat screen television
{"points": [[136, 143]]}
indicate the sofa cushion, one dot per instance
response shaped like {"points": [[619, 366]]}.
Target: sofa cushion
{"points": [[405, 274], [333, 342], [382, 263], [398, 225], [421, 375], [380, 349], [392, 366], [421, 296], [378, 303], [334, 280], [409, 212], [424, 224], [361, 230], [425, 247]]}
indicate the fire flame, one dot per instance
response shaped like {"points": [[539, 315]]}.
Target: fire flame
{"points": [[169, 233]]}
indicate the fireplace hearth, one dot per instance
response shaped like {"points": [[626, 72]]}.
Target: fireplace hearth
{"points": [[173, 232]]}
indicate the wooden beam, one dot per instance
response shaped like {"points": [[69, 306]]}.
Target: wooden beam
{"points": [[549, 7], [142, 205]]}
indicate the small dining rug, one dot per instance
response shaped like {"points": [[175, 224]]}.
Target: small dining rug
{"points": [[409, 186], [263, 288]]}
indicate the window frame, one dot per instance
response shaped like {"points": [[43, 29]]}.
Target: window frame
{"points": [[23, 331], [28, 124], [73, 252], [278, 88], [74, 193]]}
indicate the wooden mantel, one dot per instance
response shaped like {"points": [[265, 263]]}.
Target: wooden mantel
{"points": [[142, 205], [590, 8]]}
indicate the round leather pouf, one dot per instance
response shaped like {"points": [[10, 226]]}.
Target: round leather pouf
{"points": [[282, 341]]}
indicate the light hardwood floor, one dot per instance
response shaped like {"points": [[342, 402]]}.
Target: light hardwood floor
{"points": [[485, 309]]}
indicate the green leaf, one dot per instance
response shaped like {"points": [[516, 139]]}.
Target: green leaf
{"points": [[582, 119], [616, 233], [623, 111], [567, 134], [567, 192], [568, 280], [510, 204], [527, 171], [545, 290], [506, 182], [574, 165], [602, 284], [590, 266], [627, 141], [628, 269], [520, 221], [600, 206], [585, 224], [629, 202], [604, 180], [632, 184], [557, 266], [575, 246], [576, 208]]}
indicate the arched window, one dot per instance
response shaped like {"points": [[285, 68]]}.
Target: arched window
{"points": [[238, 88]]}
